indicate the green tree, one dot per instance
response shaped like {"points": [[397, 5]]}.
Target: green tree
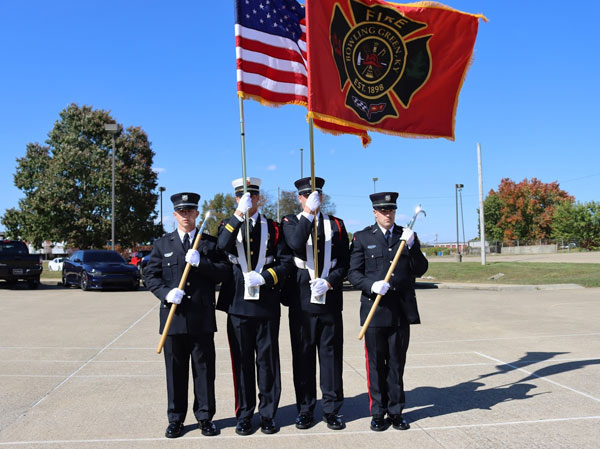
{"points": [[67, 184], [579, 222], [492, 212], [222, 207], [289, 204]]}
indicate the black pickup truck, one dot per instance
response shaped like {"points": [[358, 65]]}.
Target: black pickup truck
{"points": [[17, 264]]}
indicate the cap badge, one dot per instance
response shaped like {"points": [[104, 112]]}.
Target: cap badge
{"points": [[184, 197], [388, 197]]}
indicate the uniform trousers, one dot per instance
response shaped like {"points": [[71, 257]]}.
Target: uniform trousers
{"points": [[254, 344], [178, 351], [323, 335], [385, 351]]}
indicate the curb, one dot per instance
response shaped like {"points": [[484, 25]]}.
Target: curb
{"points": [[496, 287]]}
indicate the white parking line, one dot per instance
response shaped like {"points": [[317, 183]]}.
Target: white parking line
{"points": [[336, 435], [539, 377], [93, 357], [519, 337]]}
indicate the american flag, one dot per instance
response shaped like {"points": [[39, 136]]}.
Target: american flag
{"points": [[270, 40]]}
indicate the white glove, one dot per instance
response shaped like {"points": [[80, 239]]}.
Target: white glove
{"points": [[245, 203], [313, 201], [380, 287], [192, 257], [319, 286], [409, 236], [253, 279], [175, 295]]}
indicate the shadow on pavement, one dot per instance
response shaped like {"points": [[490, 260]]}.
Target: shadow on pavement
{"points": [[432, 402]]}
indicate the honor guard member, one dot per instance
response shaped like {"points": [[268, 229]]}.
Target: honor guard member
{"points": [[316, 309], [191, 335], [386, 339], [252, 303]]}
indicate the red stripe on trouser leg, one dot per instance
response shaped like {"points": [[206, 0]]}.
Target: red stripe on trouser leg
{"points": [[235, 389], [368, 378]]}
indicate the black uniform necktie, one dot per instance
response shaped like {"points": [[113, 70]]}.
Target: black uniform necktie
{"points": [[388, 237], [186, 242]]}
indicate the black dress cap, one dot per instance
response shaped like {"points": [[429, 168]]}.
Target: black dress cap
{"points": [[384, 200], [185, 200], [304, 185]]}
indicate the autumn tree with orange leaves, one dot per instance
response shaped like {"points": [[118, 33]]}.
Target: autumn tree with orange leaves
{"points": [[522, 211]]}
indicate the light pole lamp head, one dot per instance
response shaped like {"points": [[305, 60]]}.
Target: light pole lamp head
{"points": [[162, 189], [459, 186], [111, 128]]}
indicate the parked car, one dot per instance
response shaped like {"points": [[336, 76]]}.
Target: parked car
{"points": [[56, 264], [17, 264], [99, 269]]}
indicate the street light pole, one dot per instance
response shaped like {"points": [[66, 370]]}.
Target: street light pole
{"points": [[162, 230], [113, 129], [374, 185], [462, 219], [458, 254], [278, 195]]}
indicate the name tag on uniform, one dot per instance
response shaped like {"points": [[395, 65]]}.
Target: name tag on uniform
{"points": [[372, 246], [168, 254]]}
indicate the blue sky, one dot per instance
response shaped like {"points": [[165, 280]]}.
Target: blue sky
{"points": [[531, 98]]}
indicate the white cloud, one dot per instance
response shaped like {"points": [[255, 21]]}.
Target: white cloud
{"points": [[272, 167], [159, 170]]}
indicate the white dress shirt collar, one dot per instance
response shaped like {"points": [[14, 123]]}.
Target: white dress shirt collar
{"points": [[181, 233]]}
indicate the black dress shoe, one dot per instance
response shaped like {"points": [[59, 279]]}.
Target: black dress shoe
{"points": [[378, 423], [174, 430], [399, 423], [244, 427], [268, 426], [334, 422], [304, 421], [208, 428]]}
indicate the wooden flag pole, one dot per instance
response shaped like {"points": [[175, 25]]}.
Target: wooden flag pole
{"points": [[312, 180], [182, 282], [246, 218], [363, 330], [365, 326]]}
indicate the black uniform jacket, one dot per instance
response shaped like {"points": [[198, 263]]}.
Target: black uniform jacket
{"points": [[196, 313], [370, 260], [231, 295], [296, 232]]}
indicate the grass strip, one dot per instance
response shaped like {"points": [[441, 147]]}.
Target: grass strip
{"points": [[529, 273]]}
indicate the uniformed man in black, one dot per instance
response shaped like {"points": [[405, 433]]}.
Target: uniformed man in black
{"points": [[315, 304], [191, 335], [252, 303], [386, 339]]}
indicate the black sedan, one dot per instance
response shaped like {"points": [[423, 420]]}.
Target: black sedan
{"points": [[98, 269]]}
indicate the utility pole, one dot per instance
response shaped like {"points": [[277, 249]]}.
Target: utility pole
{"points": [[374, 185], [481, 214]]}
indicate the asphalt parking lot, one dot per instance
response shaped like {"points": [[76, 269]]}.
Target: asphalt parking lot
{"points": [[486, 369]]}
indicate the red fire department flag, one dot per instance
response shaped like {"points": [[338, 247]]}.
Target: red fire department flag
{"points": [[387, 67]]}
